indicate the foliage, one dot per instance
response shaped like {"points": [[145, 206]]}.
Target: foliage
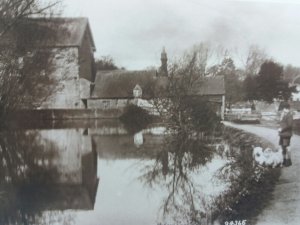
{"points": [[23, 85], [233, 86], [12, 11], [250, 88], [199, 115], [106, 63], [24, 67], [135, 118], [268, 84], [181, 108], [291, 72], [268, 79], [255, 58]]}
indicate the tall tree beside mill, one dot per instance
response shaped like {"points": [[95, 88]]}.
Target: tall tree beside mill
{"points": [[23, 64]]}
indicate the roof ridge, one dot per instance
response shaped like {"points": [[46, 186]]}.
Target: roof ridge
{"points": [[67, 31]]}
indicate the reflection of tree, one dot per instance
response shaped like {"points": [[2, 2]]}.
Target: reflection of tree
{"points": [[179, 166], [135, 118], [24, 157], [174, 169], [190, 120], [25, 173]]}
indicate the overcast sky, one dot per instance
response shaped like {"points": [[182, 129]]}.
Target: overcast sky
{"points": [[133, 32]]}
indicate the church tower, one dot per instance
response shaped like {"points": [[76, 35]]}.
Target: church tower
{"points": [[163, 71]]}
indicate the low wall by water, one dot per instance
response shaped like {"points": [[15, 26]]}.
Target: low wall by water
{"points": [[65, 114]]}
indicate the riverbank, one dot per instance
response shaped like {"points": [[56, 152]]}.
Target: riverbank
{"points": [[253, 186], [284, 206]]}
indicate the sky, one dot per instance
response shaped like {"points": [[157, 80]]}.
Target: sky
{"points": [[133, 32]]}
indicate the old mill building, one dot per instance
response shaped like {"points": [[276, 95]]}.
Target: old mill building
{"points": [[78, 86]]}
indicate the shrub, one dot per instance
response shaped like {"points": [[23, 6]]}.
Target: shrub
{"points": [[135, 118]]}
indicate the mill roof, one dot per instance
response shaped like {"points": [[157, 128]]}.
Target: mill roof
{"points": [[50, 32]]}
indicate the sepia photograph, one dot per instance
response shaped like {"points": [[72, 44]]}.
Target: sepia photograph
{"points": [[149, 112]]}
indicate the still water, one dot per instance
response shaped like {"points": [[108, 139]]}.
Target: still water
{"points": [[98, 173]]}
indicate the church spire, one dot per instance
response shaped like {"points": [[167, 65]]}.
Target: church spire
{"points": [[164, 63]]}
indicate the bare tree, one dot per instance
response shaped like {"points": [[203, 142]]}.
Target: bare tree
{"points": [[106, 63], [256, 56], [13, 11], [290, 73], [23, 64], [179, 102]]}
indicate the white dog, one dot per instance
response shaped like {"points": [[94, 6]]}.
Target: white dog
{"points": [[268, 154], [258, 155], [273, 158], [268, 157]]}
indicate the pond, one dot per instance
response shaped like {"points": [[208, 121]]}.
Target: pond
{"points": [[95, 172]]}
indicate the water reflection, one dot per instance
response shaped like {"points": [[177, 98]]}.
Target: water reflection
{"points": [[45, 170], [50, 176], [186, 168]]}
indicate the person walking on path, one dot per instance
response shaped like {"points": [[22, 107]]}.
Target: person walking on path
{"points": [[285, 133]]}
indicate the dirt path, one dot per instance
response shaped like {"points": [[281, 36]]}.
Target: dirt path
{"points": [[284, 208]]}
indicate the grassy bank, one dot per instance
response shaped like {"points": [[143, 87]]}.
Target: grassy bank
{"points": [[251, 185]]}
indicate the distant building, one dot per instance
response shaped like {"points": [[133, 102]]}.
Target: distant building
{"points": [[211, 89], [118, 88], [137, 91], [71, 44]]}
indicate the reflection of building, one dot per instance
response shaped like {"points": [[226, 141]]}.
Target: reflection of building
{"points": [[76, 162], [116, 142], [64, 195], [138, 139], [70, 159], [70, 147]]}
